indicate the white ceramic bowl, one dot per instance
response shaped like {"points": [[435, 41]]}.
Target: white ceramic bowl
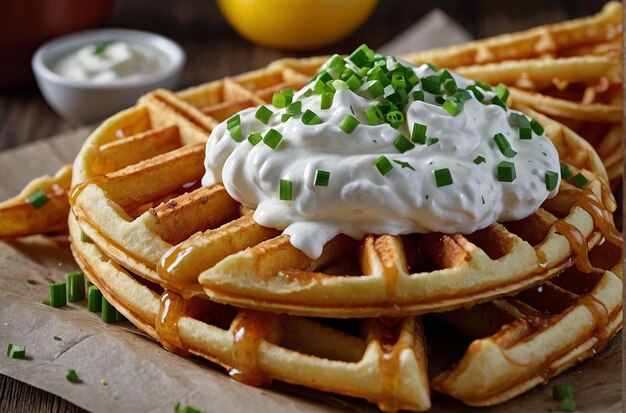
{"points": [[84, 100]]}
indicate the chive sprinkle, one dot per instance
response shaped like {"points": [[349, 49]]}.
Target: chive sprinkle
{"points": [[279, 100], [58, 295], [349, 124], [504, 145], [568, 405], [263, 114], [57, 338], [580, 180], [308, 93], [395, 118], [565, 172], [452, 107], [402, 144], [31, 281], [272, 138], [432, 67], [101, 46], [479, 159], [234, 121], [518, 120], [353, 83], [37, 199], [432, 141], [294, 109], [310, 118], [72, 376], [450, 85], [186, 409], [327, 100], [536, 127], [506, 171], [502, 92], [337, 63], [497, 101], [322, 178], [108, 311], [484, 86], [15, 351], [362, 56], [404, 164], [340, 85], [418, 95], [285, 190], [562, 391], [374, 115], [477, 93], [255, 138], [375, 89], [551, 179], [383, 165], [432, 84], [418, 134], [285, 117], [94, 299], [75, 286], [443, 177], [525, 133]]}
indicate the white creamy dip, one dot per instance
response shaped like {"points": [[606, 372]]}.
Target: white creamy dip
{"points": [[359, 199], [109, 60]]}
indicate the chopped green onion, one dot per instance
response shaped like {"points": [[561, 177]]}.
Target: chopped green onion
{"points": [[418, 95], [349, 124], [31, 281], [398, 81], [562, 391], [310, 118], [431, 84], [518, 120], [402, 144], [551, 179], [94, 299], [432, 141], [75, 286], [440, 99], [234, 121], [462, 96], [433, 67], [484, 86], [479, 159], [58, 297], [383, 165], [418, 135], [502, 92], [394, 118], [101, 46], [506, 171], [340, 85], [565, 172], [504, 145], [525, 133], [320, 87], [497, 101], [379, 75], [37, 199], [279, 100], [337, 63], [119, 317], [16, 351], [388, 91], [477, 93], [45, 302], [255, 138], [322, 178], [288, 94], [285, 117], [536, 127], [375, 89], [272, 138], [374, 115], [450, 85], [404, 164], [445, 75], [353, 83], [84, 237], [187, 409], [362, 56], [443, 177], [327, 100], [263, 114], [452, 107], [285, 190], [294, 109], [57, 338], [72, 376], [580, 180], [108, 311], [568, 405], [308, 93], [236, 134]]}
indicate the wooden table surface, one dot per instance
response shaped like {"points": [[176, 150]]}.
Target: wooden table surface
{"points": [[214, 50]]}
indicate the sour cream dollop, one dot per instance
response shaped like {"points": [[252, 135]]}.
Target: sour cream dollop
{"points": [[110, 60], [359, 199]]}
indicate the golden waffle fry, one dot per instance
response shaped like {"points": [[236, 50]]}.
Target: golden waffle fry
{"points": [[20, 217]]}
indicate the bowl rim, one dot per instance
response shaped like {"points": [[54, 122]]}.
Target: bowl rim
{"points": [[63, 45]]}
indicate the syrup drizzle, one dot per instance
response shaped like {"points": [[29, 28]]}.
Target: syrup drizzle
{"points": [[577, 242], [388, 333], [542, 261], [79, 188], [171, 260], [171, 309], [250, 328], [601, 217]]}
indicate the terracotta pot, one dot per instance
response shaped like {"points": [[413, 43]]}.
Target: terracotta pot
{"points": [[26, 24]]}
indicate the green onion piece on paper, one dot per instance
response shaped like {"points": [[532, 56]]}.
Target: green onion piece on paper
{"points": [[285, 190], [108, 312], [72, 376], [37, 199], [58, 295], [349, 124], [94, 299], [75, 286], [402, 144], [506, 171], [568, 405], [15, 351], [562, 391], [383, 165], [443, 177], [322, 178]]}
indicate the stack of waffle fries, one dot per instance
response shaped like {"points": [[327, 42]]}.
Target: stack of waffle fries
{"points": [[189, 266]]}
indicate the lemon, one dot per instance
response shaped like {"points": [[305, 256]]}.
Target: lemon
{"points": [[296, 24]]}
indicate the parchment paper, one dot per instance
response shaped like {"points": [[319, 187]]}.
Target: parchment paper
{"points": [[121, 369]]}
